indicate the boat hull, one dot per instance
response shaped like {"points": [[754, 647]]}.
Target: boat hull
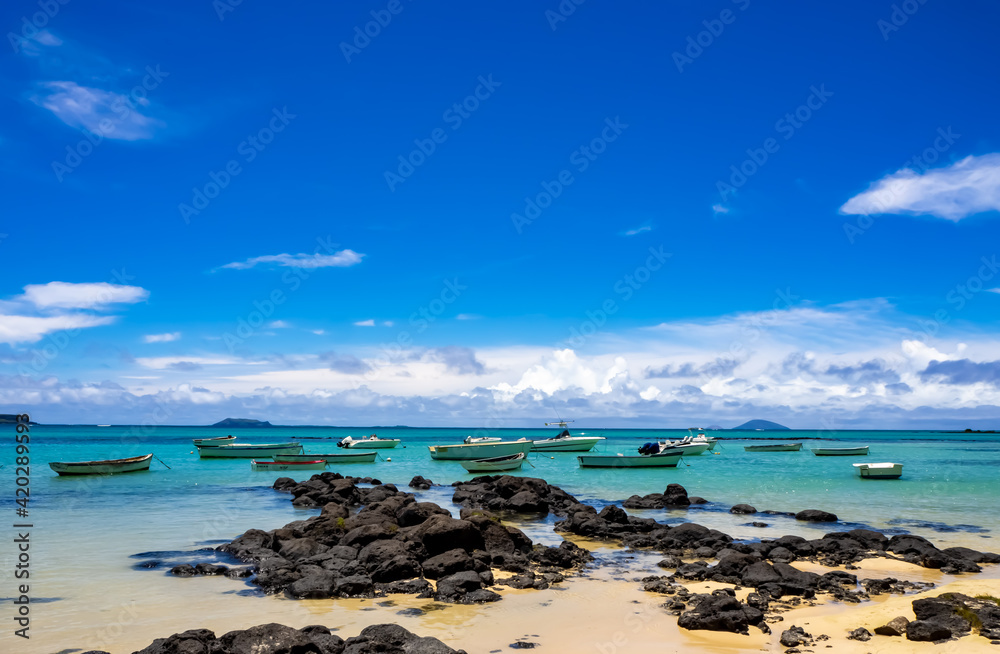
{"points": [[108, 467], [841, 451], [879, 470], [638, 461], [495, 464], [234, 451], [340, 457], [785, 447], [468, 452], [572, 444], [286, 466], [380, 444], [213, 442]]}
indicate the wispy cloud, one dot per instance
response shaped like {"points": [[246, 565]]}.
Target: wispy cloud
{"points": [[341, 259], [467, 316], [318, 332], [278, 324], [967, 187], [161, 338], [637, 230], [719, 208], [16, 329], [365, 323], [66, 295], [186, 362], [29, 45], [110, 114]]}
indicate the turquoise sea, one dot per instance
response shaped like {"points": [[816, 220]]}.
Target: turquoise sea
{"points": [[86, 529]]}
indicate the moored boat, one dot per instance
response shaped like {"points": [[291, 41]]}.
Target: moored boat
{"points": [[686, 445], [213, 442], [338, 457], [775, 447], [496, 463], [481, 439], [840, 451], [372, 442], [285, 466], [248, 450], [662, 460], [566, 442], [879, 470], [471, 451], [105, 467]]}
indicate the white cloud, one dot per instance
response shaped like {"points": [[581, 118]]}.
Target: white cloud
{"points": [[161, 338], [719, 208], [341, 259], [365, 323], [954, 192], [113, 115], [637, 230], [993, 290], [467, 316], [65, 295], [16, 329], [161, 363], [387, 323], [318, 332], [278, 324]]}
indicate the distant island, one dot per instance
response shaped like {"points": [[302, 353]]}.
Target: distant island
{"points": [[11, 419], [240, 423], [759, 424]]}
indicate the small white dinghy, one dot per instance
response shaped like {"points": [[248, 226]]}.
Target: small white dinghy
{"points": [[879, 470], [841, 451], [372, 442], [338, 457], [213, 442], [496, 463]]}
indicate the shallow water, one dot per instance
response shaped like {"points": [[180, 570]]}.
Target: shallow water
{"points": [[87, 529]]}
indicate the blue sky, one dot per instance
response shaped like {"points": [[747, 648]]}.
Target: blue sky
{"points": [[650, 215]]}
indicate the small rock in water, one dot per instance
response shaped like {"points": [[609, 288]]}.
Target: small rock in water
{"points": [[522, 644]]}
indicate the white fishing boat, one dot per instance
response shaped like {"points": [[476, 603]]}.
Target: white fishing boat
{"points": [[879, 470], [496, 463], [213, 442], [566, 442], [840, 451], [286, 466], [661, 460], [774, 447], [106, 467], [686, 445], [481, 439], [472, 451], [248, 450], [372, 442], [339, 457]]}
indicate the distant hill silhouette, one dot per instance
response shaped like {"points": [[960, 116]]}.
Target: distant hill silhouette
{"points": [[240, 423], [759, 424]]}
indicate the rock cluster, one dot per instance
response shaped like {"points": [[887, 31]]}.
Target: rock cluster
{"points": [[276, 638], [674, 497], [513, 494], [950, 615], [393, 544]]}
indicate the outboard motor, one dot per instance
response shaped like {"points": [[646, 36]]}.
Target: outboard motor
{"points": [[649, 448]]}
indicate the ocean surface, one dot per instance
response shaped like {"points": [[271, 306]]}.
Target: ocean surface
{"points": [[89, 590]]}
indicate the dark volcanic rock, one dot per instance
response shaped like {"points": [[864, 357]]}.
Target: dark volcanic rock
{"points": [[675, 496], [815, 515], [895, 627], [861, 634], [183, 570], [927, 630], [315, 639], [420, 483], [743, 509], [721, 611], [516, 494], [794, 636]]}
